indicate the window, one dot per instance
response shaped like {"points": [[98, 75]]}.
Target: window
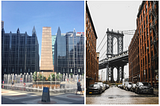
{"points": [[144, 36], [63, 70], [79, 70], [147, 32], [149, 14], [28, 70], [20, 70], [148, 59], [146, 19], [146, 7]]}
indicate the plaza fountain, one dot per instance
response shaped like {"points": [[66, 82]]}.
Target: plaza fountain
{"points": [[64, 83]]}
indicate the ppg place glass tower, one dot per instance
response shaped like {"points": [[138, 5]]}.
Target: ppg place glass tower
{"points": [[69, 53]]}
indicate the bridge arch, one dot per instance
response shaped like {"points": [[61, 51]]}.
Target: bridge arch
{"points": [[110, 41], [114, 47]]}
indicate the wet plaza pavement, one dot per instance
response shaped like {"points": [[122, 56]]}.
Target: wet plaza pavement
{"points": [[115, 95]]}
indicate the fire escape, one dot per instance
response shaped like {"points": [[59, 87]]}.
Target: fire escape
{"points": [[154, 42]]}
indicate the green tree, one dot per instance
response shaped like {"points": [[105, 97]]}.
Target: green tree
{"points": [[35, 76], [71, 75], [52, 77], [39, 77], [49, 79], [58, 77]]}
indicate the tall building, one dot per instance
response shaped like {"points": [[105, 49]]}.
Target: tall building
{"points": [[147, 32], [19, 53], [2, 25], [133, 59], [46, 52], [92, 58], [69, 52], [53, 43]]}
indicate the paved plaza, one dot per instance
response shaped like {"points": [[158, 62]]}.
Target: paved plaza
{"points": [[24, 97]]}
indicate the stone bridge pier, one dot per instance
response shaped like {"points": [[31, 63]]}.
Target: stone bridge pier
{"points": [[120, 74]]}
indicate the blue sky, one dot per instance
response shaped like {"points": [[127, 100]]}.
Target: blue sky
{"points": [[25, 14]]}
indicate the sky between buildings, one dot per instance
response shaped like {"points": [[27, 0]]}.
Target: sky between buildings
{"points": [[26, 14], [116, 15]]}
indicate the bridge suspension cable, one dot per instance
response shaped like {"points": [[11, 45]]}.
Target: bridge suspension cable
{"points": [[103, 53], [106, 50], [126, 32], [101, 41]]}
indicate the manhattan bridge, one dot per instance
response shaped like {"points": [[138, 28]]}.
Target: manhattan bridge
{"points": [[110, 59]]}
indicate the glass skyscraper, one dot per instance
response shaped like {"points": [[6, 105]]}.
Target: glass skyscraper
{"points": [[20, 52], [69, 53], [53, 42]]}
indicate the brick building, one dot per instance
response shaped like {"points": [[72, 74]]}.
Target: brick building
{"points": [[133, 59], [92, 58], [147, 27]]}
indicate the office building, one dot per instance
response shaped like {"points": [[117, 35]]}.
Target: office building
{"points": [[20, 53], [147, 32], [53, 42], [69, 53]]}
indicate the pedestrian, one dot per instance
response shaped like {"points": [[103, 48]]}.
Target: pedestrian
{"points": [[12, 82], [79, 87]]}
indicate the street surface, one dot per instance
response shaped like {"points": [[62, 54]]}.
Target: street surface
{"points": [[24, 97], [115, 95]]}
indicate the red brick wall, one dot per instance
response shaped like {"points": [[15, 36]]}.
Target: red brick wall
{"points": [[92, 65]]}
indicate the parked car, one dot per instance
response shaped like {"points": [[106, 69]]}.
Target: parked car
{"points": [[128, 86], [101, 84], [106, 86], [133, 87], [94, 89], [125, 85], [120, 86], [143, 87]]}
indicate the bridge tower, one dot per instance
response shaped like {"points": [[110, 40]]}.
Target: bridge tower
{"points": [[110, 36]]}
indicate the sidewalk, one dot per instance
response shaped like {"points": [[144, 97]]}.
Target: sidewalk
{"points": [[23, 97], [156, 91]]}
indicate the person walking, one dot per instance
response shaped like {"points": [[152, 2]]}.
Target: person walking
{"points": [[79, 87], [12, 84]]}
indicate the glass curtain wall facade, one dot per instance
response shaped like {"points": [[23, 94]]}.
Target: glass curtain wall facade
{"points": [[19, 53], [53, 42], [69, 53]]}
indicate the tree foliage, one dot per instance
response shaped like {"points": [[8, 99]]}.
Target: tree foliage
{"points": [[52, 77], [35, 76]]}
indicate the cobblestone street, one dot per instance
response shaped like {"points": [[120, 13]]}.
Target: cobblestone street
{"points": [[115, 95]]}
